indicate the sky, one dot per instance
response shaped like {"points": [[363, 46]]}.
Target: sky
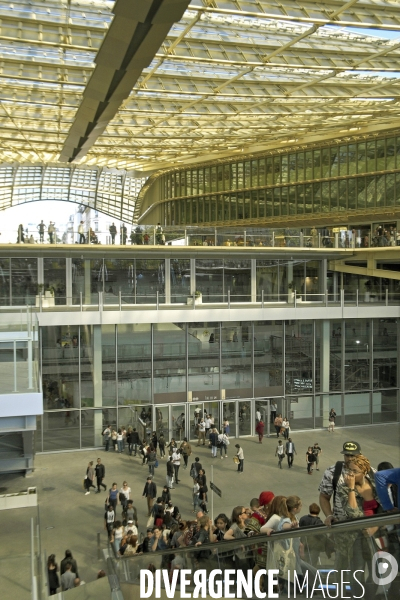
{"points": [[30, 214]]}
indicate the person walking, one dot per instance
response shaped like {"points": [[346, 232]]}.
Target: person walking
{"points": [[106, 437], [170, 473], [161, 444], [290, 451], [286, 428], [310, 460], [317, 451], [332, 420], [240, 455], [119, 441], [223, 443], [100, 472], [151, 460], [109, 520], [113, 232], [68, 578], [260, 430], [278, 424], [280, 453], [176, 461], [89, 478], [186, 451], [41, 227], [81, 233], [52, 575], [202, 433], [150, 492], [124, 496], [214, 442], [113, 496]]}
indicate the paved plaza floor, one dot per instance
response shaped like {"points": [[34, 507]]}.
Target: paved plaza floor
{"points": [[69, 519]]}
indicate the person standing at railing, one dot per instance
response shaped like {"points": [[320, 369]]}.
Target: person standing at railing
{"points": [[113, 232], [41, 227], [21, 234], [51, 231], [81, 233], [123, 232]]}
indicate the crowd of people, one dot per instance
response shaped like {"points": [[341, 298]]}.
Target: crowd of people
{"points": [[350, 488]]}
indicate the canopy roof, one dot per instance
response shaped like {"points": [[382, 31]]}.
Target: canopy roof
{"points": [[229, 76]]}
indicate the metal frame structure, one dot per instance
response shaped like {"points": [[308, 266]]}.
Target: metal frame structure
{"points": [[229, 76]]}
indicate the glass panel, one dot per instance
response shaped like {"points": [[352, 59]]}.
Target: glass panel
{"points": [[301, 414], [195, 189], [220, 177], [178, 422], [358, 354], [227, 176], [237, 278], [134, 363], [5, 282], [213, 179], [262, 171], [60, 368], [61, 430], [169, 378], [188, 183], [299, 357], [210, 280], [54, 279], [207, 180], [356, 408], [380, 155], [203, 360], [234, 169], [180, 280], [24, 281], [108, 368], [240, 201], [240, 177], [254, 173], [229, 416], [300, 166], [247, 205], [247, 174], [236, 346], [269, 170], [244, 417], [371, 156]]}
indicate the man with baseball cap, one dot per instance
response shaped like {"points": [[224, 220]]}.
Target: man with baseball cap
{"points": [[330, 480]]}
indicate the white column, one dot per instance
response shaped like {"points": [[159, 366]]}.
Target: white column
{"points": [[167, 276], [68, 280], [97, 385], [253, 280], [325, 369]]}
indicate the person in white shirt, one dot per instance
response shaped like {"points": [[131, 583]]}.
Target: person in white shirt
{"points": [[176, 461], [258, 416], [131, 527], [202, 432], [207, 422], [240, 455], [290, 451], [274, 408], [223, 441], [125, 491]]}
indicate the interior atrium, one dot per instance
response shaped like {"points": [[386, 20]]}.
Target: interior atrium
{"points": [[256, 144]]}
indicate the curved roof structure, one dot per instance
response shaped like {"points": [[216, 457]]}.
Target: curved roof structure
{"points": [[147, 84]]}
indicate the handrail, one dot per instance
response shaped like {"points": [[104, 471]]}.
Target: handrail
{"points": [[348, 525]]}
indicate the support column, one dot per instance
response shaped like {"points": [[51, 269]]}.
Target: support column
{"points": [[40, 271], [97, 385], [167, 277], [27, 444], [68, 280], [290, 290], [192, 275], [325, 369], [253, 280], [87, 283]]}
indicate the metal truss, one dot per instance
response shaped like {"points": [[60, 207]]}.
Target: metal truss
{"points": [[111, 192], [230, 76]]}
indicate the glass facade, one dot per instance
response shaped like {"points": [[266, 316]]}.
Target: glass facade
{"points": [[118, 374], [354, 176]]}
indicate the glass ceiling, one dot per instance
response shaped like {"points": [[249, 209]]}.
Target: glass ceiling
{"points": [[231, 76]]}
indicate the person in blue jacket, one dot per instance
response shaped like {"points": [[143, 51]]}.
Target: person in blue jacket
{"points": [[387, 481]]}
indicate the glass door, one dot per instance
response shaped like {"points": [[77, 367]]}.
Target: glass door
{"points": [[178, 422], [212, 410], [161, 420], [245, 417], [262, 405], [229, 416]]}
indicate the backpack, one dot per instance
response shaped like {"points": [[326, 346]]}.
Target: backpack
{"points": [[193, 472]]}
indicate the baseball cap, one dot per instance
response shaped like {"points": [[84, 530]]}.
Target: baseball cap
{"points": [[130, 521], [353, 448], [149, 477]]}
